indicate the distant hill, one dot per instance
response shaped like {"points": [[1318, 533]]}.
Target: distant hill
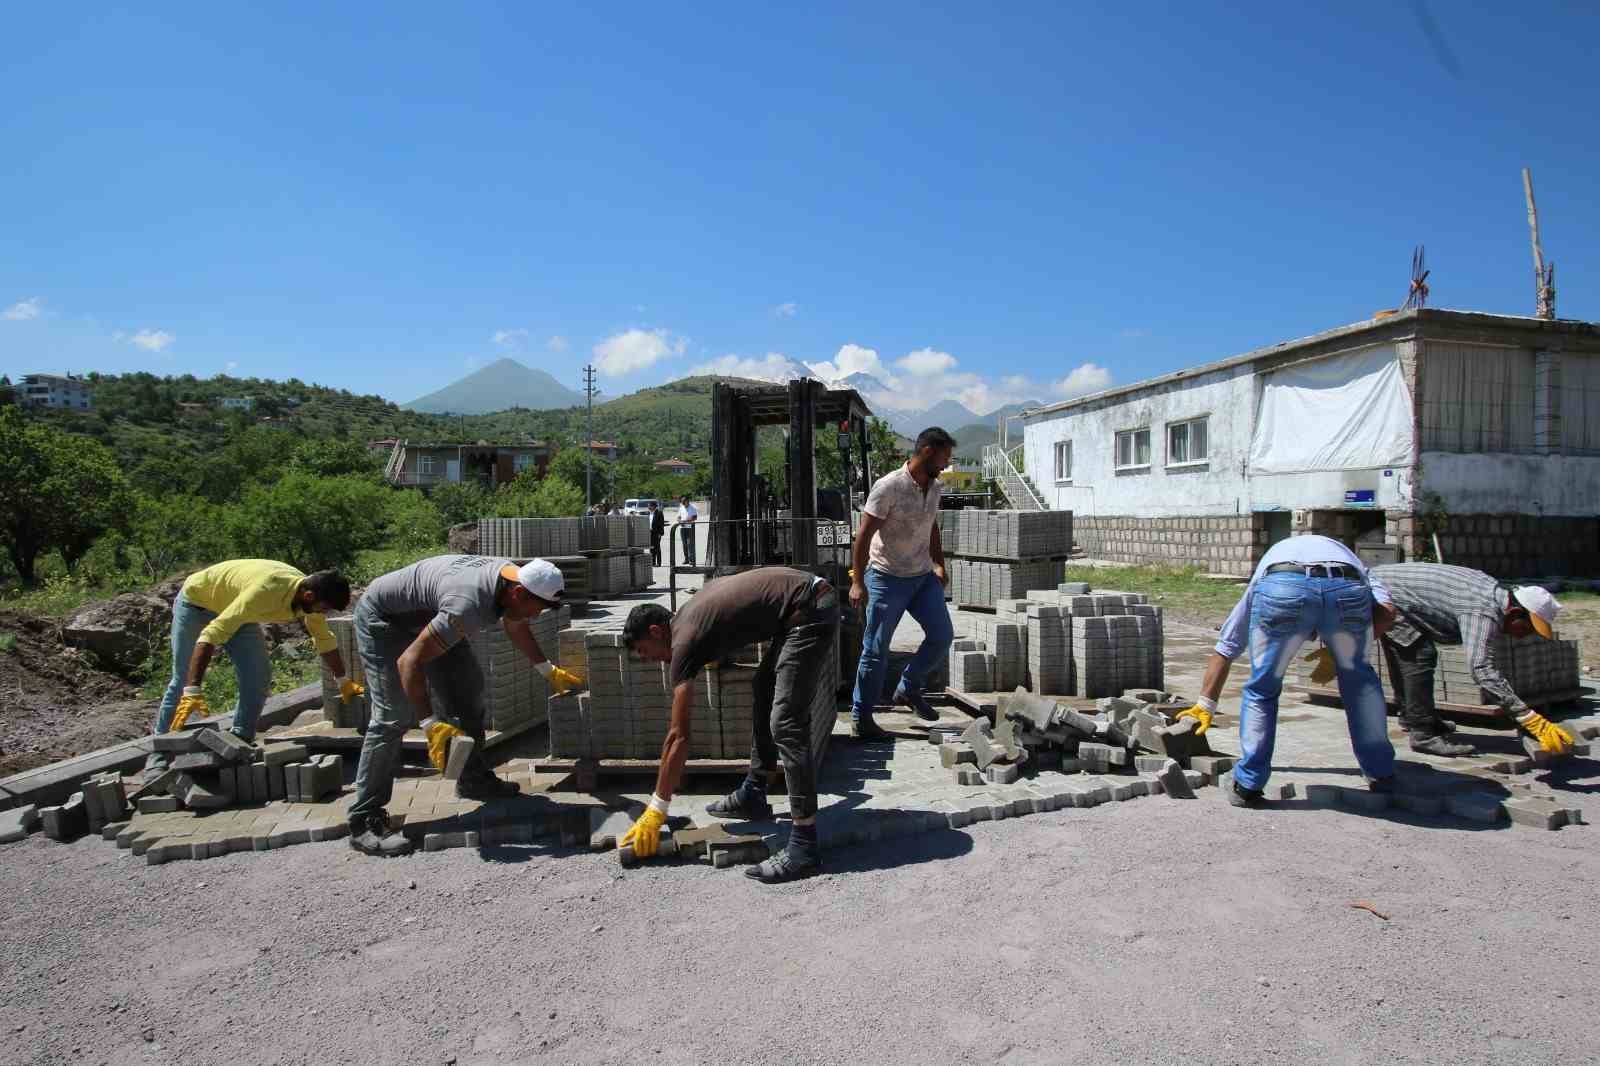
{"points": [[972, 439], [500, 386]]}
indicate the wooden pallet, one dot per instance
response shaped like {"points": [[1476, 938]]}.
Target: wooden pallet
{"points": [[588, 772], [1326, 694]]}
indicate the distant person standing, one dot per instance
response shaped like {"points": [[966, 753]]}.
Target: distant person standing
{"points": [[899, 567], [658, 528], [687, 517]]}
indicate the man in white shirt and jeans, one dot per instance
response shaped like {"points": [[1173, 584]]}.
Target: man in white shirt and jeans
{"points": [[899, 567], [687, 516], [1303, 586]]}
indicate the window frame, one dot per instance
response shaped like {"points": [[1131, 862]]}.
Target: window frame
{"points": [[1055, 460], [1132, 433], [1184, 464], [425, 464]]}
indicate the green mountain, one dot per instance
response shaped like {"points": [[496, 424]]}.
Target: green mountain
{"points": [[503, 384]]}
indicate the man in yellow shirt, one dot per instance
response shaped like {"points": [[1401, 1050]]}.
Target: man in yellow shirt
{"points": [[225, 606]]}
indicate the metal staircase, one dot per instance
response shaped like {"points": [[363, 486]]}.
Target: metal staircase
{"points": [[999, 466]]}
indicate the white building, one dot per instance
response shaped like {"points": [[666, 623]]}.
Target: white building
{"points": [[237, 403], [53, 390], [1480, 430]]}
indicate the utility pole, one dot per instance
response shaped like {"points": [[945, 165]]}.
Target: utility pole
{"points": [[588, 445], [1544, 275]]}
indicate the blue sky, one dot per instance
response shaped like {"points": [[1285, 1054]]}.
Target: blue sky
{"points": [[987, 202]]}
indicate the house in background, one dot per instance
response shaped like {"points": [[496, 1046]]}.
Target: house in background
{"points": [[421, 465], [603, 448], [237, 403], [675, 467], [54, 390], [1481, 430]]}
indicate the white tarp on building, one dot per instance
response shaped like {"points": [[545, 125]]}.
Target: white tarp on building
{"points": [[1345, 412]]}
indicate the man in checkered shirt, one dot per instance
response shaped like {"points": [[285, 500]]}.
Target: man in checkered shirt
{"points": [[1441, 604]]}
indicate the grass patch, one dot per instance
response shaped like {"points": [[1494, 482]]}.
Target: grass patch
{"points": [[293, 665], [8, 642], [1180, 590]]}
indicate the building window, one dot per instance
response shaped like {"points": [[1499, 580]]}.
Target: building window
{"points": [[1133, 449], [521, 461], [425, 464], [1186, 442], [1063, 460]]}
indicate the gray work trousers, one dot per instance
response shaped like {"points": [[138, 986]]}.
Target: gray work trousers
{"points": [[455, 687], [1411, 673], [786, 685]]}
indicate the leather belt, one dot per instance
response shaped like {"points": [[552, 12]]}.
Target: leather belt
{"points": [[1339, 570]]}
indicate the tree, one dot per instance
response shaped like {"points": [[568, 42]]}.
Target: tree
{"points": [[532, 497], [311, 522], [460, 501], [568, 466], [57, 491], [333, 458], [170, 532], [882, 451]]}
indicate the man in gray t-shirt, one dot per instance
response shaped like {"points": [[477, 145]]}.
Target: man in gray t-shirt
{"points": [[412, 627]]}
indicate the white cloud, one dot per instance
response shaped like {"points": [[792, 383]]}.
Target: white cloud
{"points": [[851, 359], [231, 364], [926, 362], [774, 366], [557, 344], [23, 310], [1084, 379], [510, 338], [152, 340], [635, 349], [786, 310]]}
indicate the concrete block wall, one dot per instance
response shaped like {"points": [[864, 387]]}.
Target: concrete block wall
{"points": [[1504, 545], [1227, 544]]}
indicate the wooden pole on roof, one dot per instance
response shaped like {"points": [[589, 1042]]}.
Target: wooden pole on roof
{"points": [[1544, 276]]}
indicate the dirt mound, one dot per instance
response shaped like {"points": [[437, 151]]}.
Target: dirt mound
{"points": [[120, 632], [56, 701]]}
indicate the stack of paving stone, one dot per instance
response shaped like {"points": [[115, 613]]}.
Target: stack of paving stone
{"points": [[1535, 668], [1036, 733], [997, 555], [529, 538], [515, 694]]}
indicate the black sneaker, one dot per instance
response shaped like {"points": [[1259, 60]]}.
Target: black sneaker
{"points": [[783, 867], [486, 786], [1245, 797], [734, 805], [914, 698], [370, 834], [1441, 745], [867, 729]]}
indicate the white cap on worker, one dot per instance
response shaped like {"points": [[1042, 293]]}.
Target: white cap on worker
{"points": [[1542, 608], [540, 577]]}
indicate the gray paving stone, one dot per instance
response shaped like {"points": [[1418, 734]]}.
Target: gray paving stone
{"points": [[18, 822]]}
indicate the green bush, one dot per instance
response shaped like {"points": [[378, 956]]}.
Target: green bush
{"points": [[460, 501], [308, 521]]}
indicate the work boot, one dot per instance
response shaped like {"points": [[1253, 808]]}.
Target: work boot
{"points": [[1438, 744], [485, 786], [864, 728], [1245, 797], [748, 801], [370, 835], [914, 698]]}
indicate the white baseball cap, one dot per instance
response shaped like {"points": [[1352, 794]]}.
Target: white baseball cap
{"points": [[539, 576], [1542, 608]]}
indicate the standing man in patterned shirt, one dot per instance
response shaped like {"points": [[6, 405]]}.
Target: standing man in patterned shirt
{"points": [[899, 567], [1441, 604]]}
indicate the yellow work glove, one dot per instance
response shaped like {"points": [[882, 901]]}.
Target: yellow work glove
{"points": [[563, 680], [1201, 713], [645, 836], [193, 702], [1323, 673], [1552, 738], [350, 690], [439, 735]]}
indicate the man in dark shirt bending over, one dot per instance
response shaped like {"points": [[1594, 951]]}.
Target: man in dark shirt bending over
{"points": [[799, 614]]}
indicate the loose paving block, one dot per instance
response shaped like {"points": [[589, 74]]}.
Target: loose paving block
{"points": [[1150, 764], [1173, 781], [953, 755], [666, 848], [283, 754], [155, 786], [1001, 773], [158, 804], [1536, 812], [1213, 766], [1426, 806], [178, 743], [970, 775], [978, 736], [18, 823], [1278, 790], [609, 826], [67, 822], [461, 749], [196, 796], [198, 760], [291, 781], [229, 746], [259, 790]]}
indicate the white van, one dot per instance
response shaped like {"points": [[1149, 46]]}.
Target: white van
{"points": [[639, 506]]}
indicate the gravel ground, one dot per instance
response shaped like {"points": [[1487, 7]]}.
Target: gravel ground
{"points": [[1148, 931]]}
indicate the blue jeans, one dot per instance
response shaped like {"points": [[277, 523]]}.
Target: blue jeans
{"points": [[1286, 609], [247, 650], [888, 598]]}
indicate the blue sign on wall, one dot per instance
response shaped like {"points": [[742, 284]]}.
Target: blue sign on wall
{"points": [[1361, 496]]}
